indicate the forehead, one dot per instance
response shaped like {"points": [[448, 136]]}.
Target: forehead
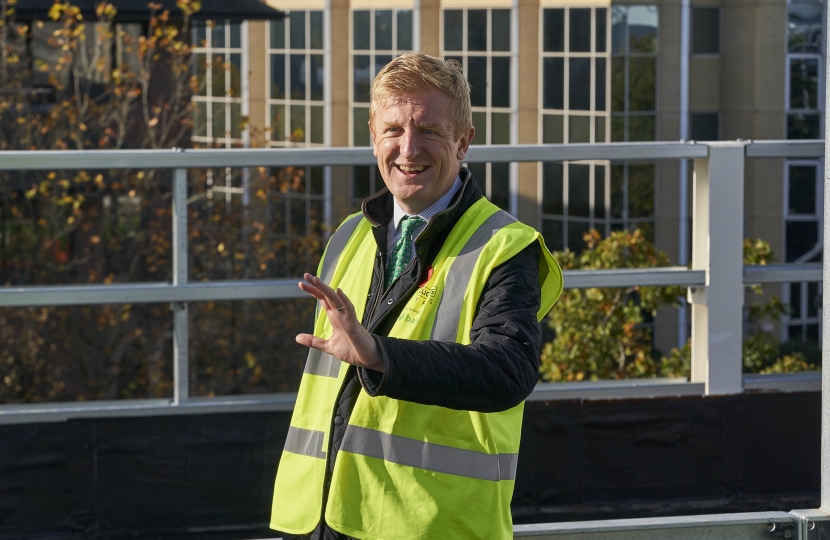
{"points": [[432, 107]]}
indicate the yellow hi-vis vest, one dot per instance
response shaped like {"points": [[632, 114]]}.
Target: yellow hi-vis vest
{"points": [[405, 470]]}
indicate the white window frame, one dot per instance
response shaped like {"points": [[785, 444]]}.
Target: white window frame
{"points": [[565, 112], [603, 224], [287, 102], [818, 216], [819, 90], [627, 113], [372, 52], [803, 320], [488, 110], [243, 100]]}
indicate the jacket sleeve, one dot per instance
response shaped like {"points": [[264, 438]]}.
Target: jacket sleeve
{"points": [[495, 372]]}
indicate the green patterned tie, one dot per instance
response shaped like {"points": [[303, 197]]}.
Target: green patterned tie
{"points": [[402, 253]]}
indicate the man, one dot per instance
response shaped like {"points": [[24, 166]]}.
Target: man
{"points": [[425, 346]]}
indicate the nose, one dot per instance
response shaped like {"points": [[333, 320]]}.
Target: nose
{"points": [[410, 146]]}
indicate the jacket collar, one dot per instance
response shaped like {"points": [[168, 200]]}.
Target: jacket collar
{"points": [[378, 208]]}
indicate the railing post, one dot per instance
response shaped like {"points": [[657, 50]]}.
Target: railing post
{"points": [[717, 247], [181, 365], [825, 296]]}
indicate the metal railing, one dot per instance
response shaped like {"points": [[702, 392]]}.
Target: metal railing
{"points": [[715, 280]]}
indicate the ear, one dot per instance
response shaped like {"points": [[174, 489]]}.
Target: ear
{"points": [[464, 143]]}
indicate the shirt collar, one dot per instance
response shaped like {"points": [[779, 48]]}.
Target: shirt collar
{"points": [[440, 205]]}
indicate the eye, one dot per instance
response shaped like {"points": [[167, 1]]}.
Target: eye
{"points": [[428, 131]]}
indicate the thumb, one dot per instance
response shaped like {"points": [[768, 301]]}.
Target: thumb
{"points": [[314, 342]]}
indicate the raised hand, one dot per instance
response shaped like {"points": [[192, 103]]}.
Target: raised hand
{"points": [[349, 342]]}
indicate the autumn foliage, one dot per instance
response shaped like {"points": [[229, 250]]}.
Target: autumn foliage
{"points": [[114, 226], [604, 333]]}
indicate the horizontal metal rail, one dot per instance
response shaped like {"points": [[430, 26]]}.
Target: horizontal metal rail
{"points": [[282, 157], [61, 412], [785, 149], [128, 293], [580, 152], [632, 277], [744, 526], [565, 391], [284, 289], [782, 273]]}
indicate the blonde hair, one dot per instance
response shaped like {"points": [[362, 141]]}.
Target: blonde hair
{"points": [[417, 73]]}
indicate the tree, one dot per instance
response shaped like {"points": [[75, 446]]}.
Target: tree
{"points": [[601, 333], [63, 227], [762, 352]]}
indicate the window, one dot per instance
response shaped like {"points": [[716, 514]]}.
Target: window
{"points": [[803, 243], [803, 221], [481, 40], [804, 27], [575, 68], [378, 35], [577, 197], [296, 93], [576, 103], [634, 39], [296, 212], [297, 77], [804, 117], [219, 58], [574, 199], [706, 30], [705, 126], [805, 68]]}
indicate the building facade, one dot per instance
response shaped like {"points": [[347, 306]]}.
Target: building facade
{"points": [[552, 71]]}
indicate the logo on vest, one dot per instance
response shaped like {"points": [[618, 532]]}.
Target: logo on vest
{"points": [[406, 317], [425, 295]]}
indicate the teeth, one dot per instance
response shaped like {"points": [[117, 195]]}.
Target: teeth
{"points": [[404, 168]]}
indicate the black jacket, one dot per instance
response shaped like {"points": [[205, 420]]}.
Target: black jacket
{"points": [[497, 371], [500, 368]]}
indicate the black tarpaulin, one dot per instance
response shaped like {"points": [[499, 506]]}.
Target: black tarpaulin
{"points": [[138, 10], [211, 476]]}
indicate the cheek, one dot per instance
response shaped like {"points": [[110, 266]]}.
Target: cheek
{"points": [[388, 149]]}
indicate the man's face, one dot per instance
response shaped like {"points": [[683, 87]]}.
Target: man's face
{"points": [[418, 153]]}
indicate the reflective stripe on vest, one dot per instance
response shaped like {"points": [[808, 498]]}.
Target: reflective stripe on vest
{"points": [[429, 456], [336, 244], [318, 362], [334, 248], [445, 327], [322, 364], [305, 442]]}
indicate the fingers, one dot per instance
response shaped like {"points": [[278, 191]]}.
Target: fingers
{"points": [[344, 301], [321, 291], [316, 288], [304, 339], [308, 340]]}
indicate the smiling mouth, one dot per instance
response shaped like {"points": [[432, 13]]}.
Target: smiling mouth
{"points": [[411, 169]]}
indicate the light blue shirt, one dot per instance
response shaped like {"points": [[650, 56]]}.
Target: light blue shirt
{"points": [[393, 234]]}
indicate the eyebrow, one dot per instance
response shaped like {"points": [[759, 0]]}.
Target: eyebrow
{"points": [[436, 127]]}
